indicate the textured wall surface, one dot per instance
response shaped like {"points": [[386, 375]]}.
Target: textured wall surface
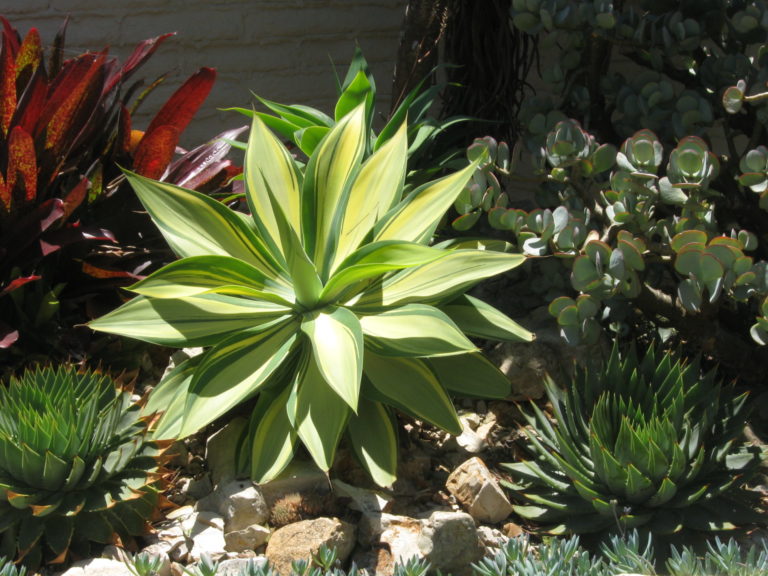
{"points": [[280, 49]]}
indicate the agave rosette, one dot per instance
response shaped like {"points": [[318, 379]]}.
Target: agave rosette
{"points": [[76, 465], [649, 444], [327, 302]]}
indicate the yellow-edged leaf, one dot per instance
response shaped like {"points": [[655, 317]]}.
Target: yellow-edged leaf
{"points": [[438, 280], [417, 216], [169, 398], [274, 440], [233, 370], [321, 416], [271, 179], [410, 385], [337, 343], [201, 274], [476, 318], [329, 174], [373, 261], [416, 330], [373, 437], [471, 375], [196, 225], [375, 190], [193, 321]]}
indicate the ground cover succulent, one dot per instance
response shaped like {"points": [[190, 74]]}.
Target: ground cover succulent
{"points": [[646, 443], [76, 465], [327, 302]]}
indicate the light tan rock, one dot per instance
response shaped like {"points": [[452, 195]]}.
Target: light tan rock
{"points": [[478, 491], [449, 541], [300, 540], [249, 538]]}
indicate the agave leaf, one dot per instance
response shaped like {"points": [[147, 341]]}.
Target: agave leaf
{"points": [[55, 472], [639, 487], [438, 280], [274, 439], [411, 386], [373, 261], [29, 533], [192, 321], [321, 415], [414, 330], [358, 91], [169, 399], [476, 318], [533, 471], [272, 179], [325, 191], [58, 534], [95, 527], [415, 218], [666, 491], [373, 437], [233, 371], [371, 195], [337, 341], [201, 274], [196, 225], [471, 375]]}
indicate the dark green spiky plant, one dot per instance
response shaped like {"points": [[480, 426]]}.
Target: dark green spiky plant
{"points": [[645, 443], [75, 465]]}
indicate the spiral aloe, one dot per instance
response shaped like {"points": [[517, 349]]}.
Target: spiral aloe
{"points": [[646, 443], [75, 465]]}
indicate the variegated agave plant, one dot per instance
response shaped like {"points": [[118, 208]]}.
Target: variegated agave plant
{"points": [[327, 302], [648, 444], [76, 465]]}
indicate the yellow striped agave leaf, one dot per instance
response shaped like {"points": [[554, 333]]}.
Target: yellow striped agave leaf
{"points": [[327, 307]]}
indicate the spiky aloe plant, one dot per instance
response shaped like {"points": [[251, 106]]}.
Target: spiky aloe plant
{"points": [[75, 465], [649, 443], [328, 302]]}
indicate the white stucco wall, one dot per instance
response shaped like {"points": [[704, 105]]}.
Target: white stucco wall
{"points": [[279, 49]]}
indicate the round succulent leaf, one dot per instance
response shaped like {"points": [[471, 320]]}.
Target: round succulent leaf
{"points": [[466, 221], [598, 252], [569, 316], [689, 294], [633, 257], [558, 304], [695, 238], [603, 158], [616, 265], [496, 218], [588, 306], [535, 246], [733, 99], [584, 276]]}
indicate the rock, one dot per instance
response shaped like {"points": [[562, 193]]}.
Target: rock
{"points": [[478, 491], [303, 539], [98, 567], [492, 539], [365, 501], [512, 530], [526, 364], [187, 534], [221, 450], [298, 477], [450, 543], [240, 503], [399, 534], [249, 538], [475, 431], [240, 566], [199, 488]]}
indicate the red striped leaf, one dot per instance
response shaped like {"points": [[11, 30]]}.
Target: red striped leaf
{"points": [[185, 102], [22, 167], [155, 151], [140, 55], [32, 102], [7, 84], [30, 53]]}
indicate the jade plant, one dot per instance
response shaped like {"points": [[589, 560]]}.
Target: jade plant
{"points": [[77, 465], [328, 304], [646, 144], [645, 443]]}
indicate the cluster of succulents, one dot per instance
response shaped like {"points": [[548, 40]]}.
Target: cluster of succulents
{"points": [[647, 442], [77, 465]]}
